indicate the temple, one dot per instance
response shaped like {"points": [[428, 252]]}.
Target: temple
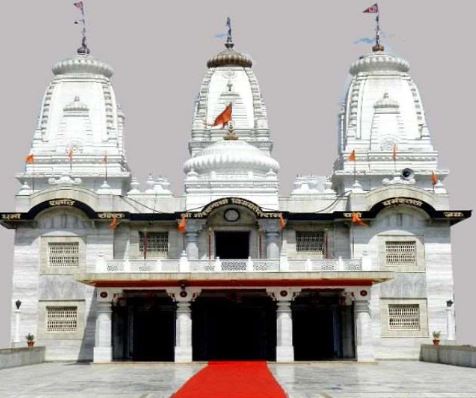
{"points": [[354, 265]]}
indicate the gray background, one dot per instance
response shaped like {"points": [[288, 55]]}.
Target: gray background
{"points": [[301, 52]]}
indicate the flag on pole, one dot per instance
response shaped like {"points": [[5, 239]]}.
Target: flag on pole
{"points": [[104, 159], [372, 9], [282, 221], [30, 159], [357, 220], [434, 178], [182, 225], [70, 154], [394, 152], [80, 5], [224, 117], [352, 156], [114, 223]]}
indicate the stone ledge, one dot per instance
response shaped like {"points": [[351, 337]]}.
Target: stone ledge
{"points": [[11, 357], [458, 355]]}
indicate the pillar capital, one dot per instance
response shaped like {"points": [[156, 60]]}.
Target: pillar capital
{"points": [[183, 295], [283, 295]]}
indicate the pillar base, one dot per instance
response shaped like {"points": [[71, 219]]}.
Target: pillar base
{"points": [[102, 354], [284, 354], [365, 354], [183, 354]]}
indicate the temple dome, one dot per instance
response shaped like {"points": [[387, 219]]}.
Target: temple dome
{"points": [[379, 61], [82, 63], [236, 155], [229, 57]]}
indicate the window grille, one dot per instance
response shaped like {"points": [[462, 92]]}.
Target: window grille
{"points": [[400, 252], [310, 241], [61, 319], [63, 254], [404, 316], [154, 242]]}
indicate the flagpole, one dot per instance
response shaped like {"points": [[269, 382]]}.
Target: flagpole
{"points": [[377, 30], [84, 50]]}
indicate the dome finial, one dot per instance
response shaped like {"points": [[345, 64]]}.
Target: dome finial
{"points": [[83, 50], [229, 39], [230, 135]]}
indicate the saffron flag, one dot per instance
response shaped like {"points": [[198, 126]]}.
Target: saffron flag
{"points": [[357, 220], [282, 221], [70, 154], [224, 117], [372, 9], [394, 152], [182, 225], [30, 159], [434, 178], [352, 155], [80, 5], [114, 223]]}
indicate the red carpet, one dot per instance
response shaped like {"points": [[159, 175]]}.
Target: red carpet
{"points": [[238, 379]]}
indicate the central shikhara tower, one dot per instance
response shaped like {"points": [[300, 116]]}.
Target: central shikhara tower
{"points": [[354, 265]]}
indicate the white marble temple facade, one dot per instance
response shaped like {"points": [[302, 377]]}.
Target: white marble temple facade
{"points": [[393, 182]]}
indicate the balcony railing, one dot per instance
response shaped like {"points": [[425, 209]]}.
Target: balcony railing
{"points": [[229, 265]]}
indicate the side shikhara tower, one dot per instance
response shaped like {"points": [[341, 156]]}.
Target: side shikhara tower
{"points": [[383, 121]]}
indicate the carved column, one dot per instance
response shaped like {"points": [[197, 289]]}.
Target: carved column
{"points": [[191, 238], [364, 348], [183, 322], [103, 337], [103, 341], [272, 234], [284, 323]]}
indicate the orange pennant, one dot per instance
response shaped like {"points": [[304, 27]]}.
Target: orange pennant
{"points": [[434, 178], [30, 159], [352, 156], [357, 220], [282, 221], [70, 154], [114, 223], [394, 152], [182, 225], [223, 118]]}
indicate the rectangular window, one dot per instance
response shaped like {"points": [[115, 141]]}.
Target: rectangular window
{"points": [[401, 252], [61, 319], [154, 243], [311, 242], [63, 254], [404, 317]]}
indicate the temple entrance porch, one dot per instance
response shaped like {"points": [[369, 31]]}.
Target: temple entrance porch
{"points": [[234, 325]]}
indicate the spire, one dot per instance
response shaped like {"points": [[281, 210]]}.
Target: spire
{"points": [[229, 39], [83, 50]]}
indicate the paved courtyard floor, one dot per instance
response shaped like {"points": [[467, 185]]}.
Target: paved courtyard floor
{"points": [[303, 380]]}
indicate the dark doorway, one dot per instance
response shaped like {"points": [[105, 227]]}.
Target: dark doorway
{"points": [[322, 327], [144, 328], [234, 326], [232, 244]]}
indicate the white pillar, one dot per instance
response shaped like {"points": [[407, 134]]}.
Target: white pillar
{"points": [[450, 323], [284, 331], [103, 341], [183, 330], [272, 244], [16, 338], [363, 330], [191, 239]]}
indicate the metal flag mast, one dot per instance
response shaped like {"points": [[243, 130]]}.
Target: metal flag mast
{"points": [[83, 50], [375, 10]]}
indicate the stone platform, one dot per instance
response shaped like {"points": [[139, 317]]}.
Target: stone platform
{"points": [[396, 379]]}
